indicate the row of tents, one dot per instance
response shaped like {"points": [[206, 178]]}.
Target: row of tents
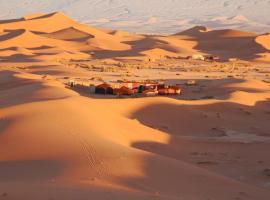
{"points": [[131, 88]]}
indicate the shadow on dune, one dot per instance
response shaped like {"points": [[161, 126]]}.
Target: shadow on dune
{"points": [[137, 47], [219, 42], [85, 91], [219, 89], [11, 21], [44, 47], [245, 48], [9, 80], [45, 54], [18, 58], [31, 170], [200, 124], [68, 34], [41, 66], [16, 91], [9, 48], [206, 120], [11, 34]]}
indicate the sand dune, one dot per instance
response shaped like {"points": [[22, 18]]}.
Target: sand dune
{"points": [[264, 40], [94, 155], [202, 31], [69, 34], [44, 23], [15, 50], [33, 16], [107, 44], [27, 39], [226, 43], [158, 53], [57, 142], [27, 45], [57, 30]]}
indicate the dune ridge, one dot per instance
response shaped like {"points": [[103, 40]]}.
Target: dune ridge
{"points": [[57, 30]]}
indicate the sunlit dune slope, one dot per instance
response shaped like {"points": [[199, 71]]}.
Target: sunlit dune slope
{"points": [[67, 146]]}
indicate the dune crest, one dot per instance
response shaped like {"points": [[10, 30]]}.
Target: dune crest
{"points": [[264, 40], [33, 16], [58, 30], [44, 23]]}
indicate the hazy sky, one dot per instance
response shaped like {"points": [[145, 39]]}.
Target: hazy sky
{"points": [[163, 16]]}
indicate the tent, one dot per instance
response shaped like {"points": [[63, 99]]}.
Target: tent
{"points": [[170, 90], [104, 89], [123, 91]]}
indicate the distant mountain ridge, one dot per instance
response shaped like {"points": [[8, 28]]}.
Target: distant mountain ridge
{"points": [[152, 16]]}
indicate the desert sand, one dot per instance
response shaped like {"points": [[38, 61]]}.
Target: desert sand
{"points": [[211, 142]]}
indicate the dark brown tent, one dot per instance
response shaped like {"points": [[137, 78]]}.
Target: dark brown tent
{"points": [[104, 89]]}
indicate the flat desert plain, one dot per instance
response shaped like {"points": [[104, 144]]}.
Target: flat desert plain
{"points": [[212, 142]]}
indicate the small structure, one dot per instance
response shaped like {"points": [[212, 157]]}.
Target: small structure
{"points": [[104, 89], [123, 91], [150, 90], [198, 57], [147, 89], [212, 58], [233, 59], [169, 90], [130, 85], [71, 83], [177, 89], [191, 83], [150, 59]]}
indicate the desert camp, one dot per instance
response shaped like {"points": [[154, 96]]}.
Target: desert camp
{"points": [[130, 88], [134, 100]]}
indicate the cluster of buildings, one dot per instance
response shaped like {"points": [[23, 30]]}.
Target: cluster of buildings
{"points": [[132, 88], [204, 57]]}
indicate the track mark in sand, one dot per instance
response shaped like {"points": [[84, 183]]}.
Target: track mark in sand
{"points": [[94, 160], [89, 151]]}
